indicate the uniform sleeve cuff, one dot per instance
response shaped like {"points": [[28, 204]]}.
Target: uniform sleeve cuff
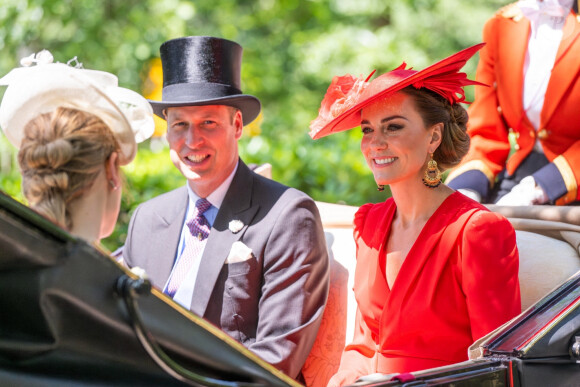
{"points": [[551, 181], [474, 180]]}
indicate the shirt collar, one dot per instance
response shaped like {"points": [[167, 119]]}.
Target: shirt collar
{"points": [[216, 198], [535, 10]]}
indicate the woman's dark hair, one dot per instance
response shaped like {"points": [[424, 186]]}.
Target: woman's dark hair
{"points": [[435, 109]]}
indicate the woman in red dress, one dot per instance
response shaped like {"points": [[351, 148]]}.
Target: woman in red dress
{"points": [[435, 270]]}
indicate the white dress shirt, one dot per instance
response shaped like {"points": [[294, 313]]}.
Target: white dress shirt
{"points": [[547, 20], [184, 293]]}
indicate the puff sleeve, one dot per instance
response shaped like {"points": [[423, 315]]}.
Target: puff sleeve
{"points": [[490, 264]]}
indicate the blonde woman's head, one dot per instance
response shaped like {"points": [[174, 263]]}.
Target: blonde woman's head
{"points": [[61, 155]]}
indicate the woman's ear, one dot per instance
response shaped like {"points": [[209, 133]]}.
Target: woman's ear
{"points": [[436, 136], [112, 171]]}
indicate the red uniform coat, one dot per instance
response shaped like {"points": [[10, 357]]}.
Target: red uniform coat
{"points": [[498, 110], [458, 282]]}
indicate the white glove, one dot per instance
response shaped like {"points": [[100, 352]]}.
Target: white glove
{"points": [[525, 193], [474, 195]]}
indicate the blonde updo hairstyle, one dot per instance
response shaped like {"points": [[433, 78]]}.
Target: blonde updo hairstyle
{"points": [[434, 109], [60, 157]]}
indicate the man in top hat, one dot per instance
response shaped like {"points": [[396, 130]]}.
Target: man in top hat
{"points": [[244, 252]]}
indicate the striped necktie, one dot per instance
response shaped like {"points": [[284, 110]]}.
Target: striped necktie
{"points": [[194, 243]]}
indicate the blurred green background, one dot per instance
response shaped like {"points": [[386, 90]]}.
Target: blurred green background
{"points": [[292, 49]]}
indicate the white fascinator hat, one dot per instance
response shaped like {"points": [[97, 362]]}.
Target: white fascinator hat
{"points": [[41, 86]]}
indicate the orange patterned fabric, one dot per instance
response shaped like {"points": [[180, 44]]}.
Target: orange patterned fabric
{"points": [[324, 358]]}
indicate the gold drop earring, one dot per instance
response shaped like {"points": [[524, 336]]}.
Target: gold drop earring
{"points": [[432, 176]]}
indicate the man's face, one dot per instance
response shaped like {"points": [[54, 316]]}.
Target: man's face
{"points": [[203, 143]]}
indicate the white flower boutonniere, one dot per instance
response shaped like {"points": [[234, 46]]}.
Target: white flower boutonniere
{"points": [[235, 226]]}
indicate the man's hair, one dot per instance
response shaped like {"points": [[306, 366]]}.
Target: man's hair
{"points": [[233, 111]]}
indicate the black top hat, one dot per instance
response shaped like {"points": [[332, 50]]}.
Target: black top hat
{"points": [[203, 70]]}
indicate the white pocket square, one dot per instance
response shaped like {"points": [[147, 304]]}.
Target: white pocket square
{"points": [[239, 253]]}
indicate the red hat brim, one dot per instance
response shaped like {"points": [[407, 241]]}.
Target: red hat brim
{"points": [[442, 77]]}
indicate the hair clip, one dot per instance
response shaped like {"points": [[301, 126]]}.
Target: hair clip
{"points": [[74, 62], [45, 57], [41, 58]]}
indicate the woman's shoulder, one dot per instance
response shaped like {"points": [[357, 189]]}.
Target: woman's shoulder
{"points": [[372, 213], [476, 216]]}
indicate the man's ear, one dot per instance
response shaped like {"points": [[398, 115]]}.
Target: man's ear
{"points": [[112, 170], [165, 113], [238, 123]]}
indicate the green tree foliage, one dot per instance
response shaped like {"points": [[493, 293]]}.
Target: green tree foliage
{"points": [[292, 49]]}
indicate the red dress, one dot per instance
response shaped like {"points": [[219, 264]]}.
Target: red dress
{"points": [[458, 282]]}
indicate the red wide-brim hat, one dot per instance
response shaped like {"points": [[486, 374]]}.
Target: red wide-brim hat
{"points": [[345, 98]]}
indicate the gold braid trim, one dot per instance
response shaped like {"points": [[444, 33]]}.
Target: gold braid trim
{"points": [[477, 165], [569, 179]]}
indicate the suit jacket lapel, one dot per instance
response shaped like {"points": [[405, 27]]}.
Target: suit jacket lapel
{"points": [[237, 205], [170, 222], [566, 65]]}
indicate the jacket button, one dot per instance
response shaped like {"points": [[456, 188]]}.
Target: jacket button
{"points": [[499, 109], [543, 134], [532, 134]]}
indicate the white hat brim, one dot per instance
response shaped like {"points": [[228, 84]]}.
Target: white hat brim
{"points": [[41, 89]]}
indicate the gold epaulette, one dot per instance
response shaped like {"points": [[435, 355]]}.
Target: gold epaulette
{"points": [[511, 11]]}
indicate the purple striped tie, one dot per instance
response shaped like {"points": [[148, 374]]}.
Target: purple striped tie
{"points": [[194, 243]]}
